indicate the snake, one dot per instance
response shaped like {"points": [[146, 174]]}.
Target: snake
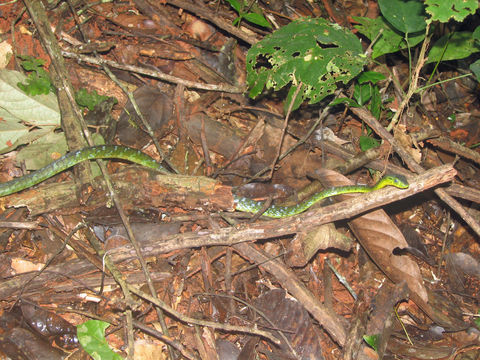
{"points": [[75, 157], [274, 211], [138, 157]]}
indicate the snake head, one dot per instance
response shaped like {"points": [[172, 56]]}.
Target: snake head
{"points": [[398, 181]]}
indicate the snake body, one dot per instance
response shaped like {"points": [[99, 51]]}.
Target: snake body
{"points": [[249, 205], [75, 157], [138, 157]]}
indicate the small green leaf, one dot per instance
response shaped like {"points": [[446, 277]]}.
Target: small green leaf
{"points": [[367, 143], [257, 19], [475, 67], [370, 76], [476, 33], [35, 85], [89, 99], [362, 93], [477, 320], [30, 63], [237, 20], [236, 5], [372, 340], [375, 105], [349, 102], [38, 81], [91, 335], [459, 45]]}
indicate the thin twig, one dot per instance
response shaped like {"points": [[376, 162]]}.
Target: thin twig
{"points": [[166, 339], [259, 312], [322, 116], [414, 81], [155, 74], [49, 261], [144, 121], [189, 320], [206, 13], [284, 128]]}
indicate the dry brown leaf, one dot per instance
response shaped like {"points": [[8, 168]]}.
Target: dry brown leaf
{"points": [[305, 245], [290, 316], [149, 350], [379, 236], [405, 139]]}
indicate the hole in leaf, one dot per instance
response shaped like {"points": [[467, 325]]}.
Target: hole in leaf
{"points": [[326, 45], [262, 62]]}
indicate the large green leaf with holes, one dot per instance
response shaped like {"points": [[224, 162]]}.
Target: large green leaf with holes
{"points": [[444, 10], [311, 52]]}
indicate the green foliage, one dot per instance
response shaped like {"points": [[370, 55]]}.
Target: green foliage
{"points": [[367, 142], [375, 105], [457, 45], [310, 53], [406, 16], [347, 101], [362, 93], [372, 340], [365, 93], [391, 39], [89, 99], [25, 118], [476, 34], [475, 68], [444, 10], [91, 335], [253, 17], [38, 81], [370, 76], [314, 56], [477, 320], [452, 118]]}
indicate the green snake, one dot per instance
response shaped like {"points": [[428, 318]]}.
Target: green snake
{"points": [[75, 157], [249, 205], [138, 157]]}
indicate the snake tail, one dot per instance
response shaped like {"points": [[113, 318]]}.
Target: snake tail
{"points": [[75, 157]]}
